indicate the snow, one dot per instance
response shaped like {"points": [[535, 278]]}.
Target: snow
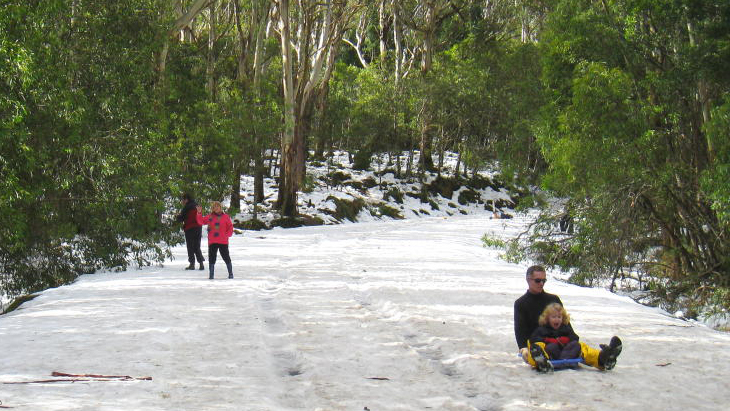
{"points": [[382, 315]]}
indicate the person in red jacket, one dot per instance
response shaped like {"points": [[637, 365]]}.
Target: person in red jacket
{"points": [[220, 228], [193, 227]]}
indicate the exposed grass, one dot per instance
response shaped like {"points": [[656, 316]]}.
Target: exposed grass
{"points": [[345, 209], [18, 301]]}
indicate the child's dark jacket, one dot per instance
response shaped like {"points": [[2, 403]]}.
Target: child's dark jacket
{"points": [[549, 335]]}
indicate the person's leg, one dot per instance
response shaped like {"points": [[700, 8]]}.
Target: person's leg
{"points": [[590, 355], [609, 353], [530, 346], [538, 358], [571, 350], [198, 238], [190, 243], [553, 351], [227, 259], [212, 255]]}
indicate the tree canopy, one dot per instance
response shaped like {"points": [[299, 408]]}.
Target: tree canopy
{"points": [[620, 108]]}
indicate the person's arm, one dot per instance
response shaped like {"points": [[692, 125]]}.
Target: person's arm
{"points": [[229, 226], [199, 217], [538, 335], [571, 334], [181, 217], [521, 334]]}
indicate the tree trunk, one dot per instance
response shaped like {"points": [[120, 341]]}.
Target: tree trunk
{"points": [[210, 66], [382, 34], [409, 163], [426, 144], [441, 153], [258, 179], [427, 63], [236, 187], [287, 201], [316, 32], [182, 22], [397, 40], [259, 21], [324, 135], [524, 20], [273, 162]]}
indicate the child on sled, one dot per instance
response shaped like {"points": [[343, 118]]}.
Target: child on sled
{"points": [[555, 334]]}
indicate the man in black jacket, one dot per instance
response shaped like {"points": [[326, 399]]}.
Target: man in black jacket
{"points": [[193, 227], [527, 312]]}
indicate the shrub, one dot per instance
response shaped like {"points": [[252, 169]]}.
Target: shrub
{"points": [[253, 224], [362, 160], [346, 209], [445, 187], [391, 212], [395, 194], [369, 182], [338, 177], [468, 196]]}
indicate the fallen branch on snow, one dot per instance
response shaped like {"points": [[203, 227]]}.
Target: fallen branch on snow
{"points": [[81, 378], [97, 376]]}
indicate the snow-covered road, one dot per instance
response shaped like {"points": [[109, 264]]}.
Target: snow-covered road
{"points": [[400, 315]]}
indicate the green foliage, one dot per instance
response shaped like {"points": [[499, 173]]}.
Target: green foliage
{"points": [[493, 242], [213, 131], [362, 159], [468, 196], [445, 187], [83, 167], [332, 123], [338, 177], [18, 301], [386, 210], [621, 108], [309, 183], [594, 146], [395, 194], [379, 113], [253, 224], [716, 179], [347, 209], [628, 142]]}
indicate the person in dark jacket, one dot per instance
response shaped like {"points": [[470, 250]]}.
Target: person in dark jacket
{"points": [[527, 310], [193, 227], [559, 340]]}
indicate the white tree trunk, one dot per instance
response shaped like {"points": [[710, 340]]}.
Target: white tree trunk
{"points": [[316, 33]]}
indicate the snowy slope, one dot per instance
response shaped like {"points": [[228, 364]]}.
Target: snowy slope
{"points": [[396, 315], [317, 201]]}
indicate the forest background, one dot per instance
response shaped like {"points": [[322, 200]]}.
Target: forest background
{"points": [[621, 108]]}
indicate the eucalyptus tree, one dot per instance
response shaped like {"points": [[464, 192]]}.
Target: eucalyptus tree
{"points": [[180, 27], [310, 33], [426, 17], [255, 56], [217, 94]]}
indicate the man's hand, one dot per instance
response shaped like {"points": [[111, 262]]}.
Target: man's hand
{"points": [[524, 353]]}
